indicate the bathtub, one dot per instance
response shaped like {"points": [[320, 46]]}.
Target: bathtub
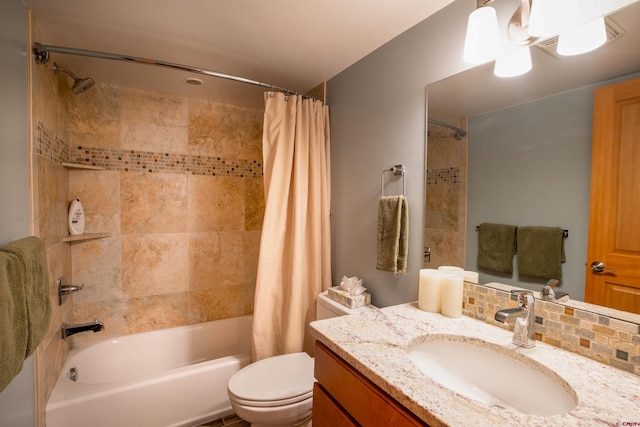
{"points": [[172, 377]]}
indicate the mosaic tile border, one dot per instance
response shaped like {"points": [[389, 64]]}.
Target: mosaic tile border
{"points": [[443, 176], [55, 149], [49, 145], [605, 339]]}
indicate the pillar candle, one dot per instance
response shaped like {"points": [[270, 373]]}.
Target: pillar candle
{"points": [[471, 276], [430, 290], [452, 295], [451, 269]]}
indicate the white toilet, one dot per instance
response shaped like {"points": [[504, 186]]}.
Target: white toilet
{"points": [[278, 391]]}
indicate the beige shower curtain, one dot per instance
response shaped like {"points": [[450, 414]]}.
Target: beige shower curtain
{"points": [[295, 254]]}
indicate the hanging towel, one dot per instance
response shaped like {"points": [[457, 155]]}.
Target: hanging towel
{"points": [[33, 258], [393, 234], [13, 318], [496, 247], [541, 252]]}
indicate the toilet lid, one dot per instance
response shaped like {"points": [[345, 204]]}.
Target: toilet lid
{"points": [[277, 380]]}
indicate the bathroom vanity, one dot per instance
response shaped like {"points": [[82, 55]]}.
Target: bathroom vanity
{"points": [[366, 376], [342, 396]]}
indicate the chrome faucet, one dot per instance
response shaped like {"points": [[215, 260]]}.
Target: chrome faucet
{"points": [[95, 326], [548, 293], [524, 319]]}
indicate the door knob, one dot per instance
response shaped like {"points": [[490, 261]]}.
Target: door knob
{"points": [[599, 267]]}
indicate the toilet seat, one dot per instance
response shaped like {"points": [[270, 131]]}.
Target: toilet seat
{"points": [[275, 381]]}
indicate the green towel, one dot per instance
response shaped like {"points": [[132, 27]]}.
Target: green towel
{"points": [[393, 235], [496, 247], [13, 318], [33, 257], [541, 252]]}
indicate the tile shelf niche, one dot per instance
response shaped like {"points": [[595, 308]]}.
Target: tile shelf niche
{"points": [[85, 236], [79, 166]]}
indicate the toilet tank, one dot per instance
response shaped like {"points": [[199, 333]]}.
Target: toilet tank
{"points": [[327, 308]]}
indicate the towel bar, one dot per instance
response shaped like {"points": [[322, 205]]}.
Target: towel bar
{"points": [[398, 170], [565, 232]]}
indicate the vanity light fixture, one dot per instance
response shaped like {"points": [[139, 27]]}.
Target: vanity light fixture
{"points": [[533, 21]]}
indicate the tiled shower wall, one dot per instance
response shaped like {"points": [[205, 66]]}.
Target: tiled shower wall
{"points": [[181, 195], [446, 200]]}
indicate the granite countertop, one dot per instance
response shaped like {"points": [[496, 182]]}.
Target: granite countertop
{"points": [[375, 342]]}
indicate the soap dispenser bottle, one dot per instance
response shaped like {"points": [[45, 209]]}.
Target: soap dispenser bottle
{"points": [[76, 218]]}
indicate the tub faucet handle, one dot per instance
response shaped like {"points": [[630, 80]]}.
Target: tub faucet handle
{"points": [[65, 289]]}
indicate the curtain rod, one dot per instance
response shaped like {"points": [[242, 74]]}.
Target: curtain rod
{"points": [[41, 53], [459, 132]]}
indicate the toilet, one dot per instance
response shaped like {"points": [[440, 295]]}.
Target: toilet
{"points": [[278, 391]]}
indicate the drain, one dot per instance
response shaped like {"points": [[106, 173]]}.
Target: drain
{"points": [[73, 374]]}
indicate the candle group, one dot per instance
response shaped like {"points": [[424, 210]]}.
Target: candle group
{"points": [[440, 291]]}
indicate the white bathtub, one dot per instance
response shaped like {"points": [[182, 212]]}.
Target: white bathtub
{"points": [[172, 377]]}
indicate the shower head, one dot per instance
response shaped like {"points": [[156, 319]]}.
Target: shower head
{"points": [[79, 84]]}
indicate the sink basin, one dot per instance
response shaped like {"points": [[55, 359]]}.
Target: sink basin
{"points": [[493, 375]]}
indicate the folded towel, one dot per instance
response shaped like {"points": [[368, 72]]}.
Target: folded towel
{"points": [[393, 235], [496, 247], [13, 318], [33, 257], [541, 252]]}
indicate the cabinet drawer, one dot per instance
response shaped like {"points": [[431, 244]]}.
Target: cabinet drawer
{"points": [[362, 399], [327, 412]]}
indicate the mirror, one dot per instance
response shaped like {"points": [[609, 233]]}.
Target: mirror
{"points": [[537, 128]]}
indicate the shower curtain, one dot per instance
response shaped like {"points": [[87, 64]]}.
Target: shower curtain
{"points": [[294, 264]]}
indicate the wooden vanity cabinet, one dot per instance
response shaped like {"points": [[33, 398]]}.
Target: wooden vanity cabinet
{"points": [[342, 396]]}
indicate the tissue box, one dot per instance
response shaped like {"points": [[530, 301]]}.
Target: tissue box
{"points": [[351, 301]]}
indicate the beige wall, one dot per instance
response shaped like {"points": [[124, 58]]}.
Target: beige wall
{"points": [[180, 193], [446, 200]]}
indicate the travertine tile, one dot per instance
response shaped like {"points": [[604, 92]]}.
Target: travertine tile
{"points": [[217, 303], [99, 193], [154, 264], [224, 130], [153, 203], [216, 259], [150, 313], [97, 265], [153, 121], [254, 203], [53, 203], [251, 254], [215, 203], [94, 118]]}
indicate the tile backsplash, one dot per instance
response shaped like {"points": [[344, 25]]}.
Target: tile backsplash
{"points": [[602, 337]]}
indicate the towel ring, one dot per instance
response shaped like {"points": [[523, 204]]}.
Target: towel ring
{"points": [[398, 170]]}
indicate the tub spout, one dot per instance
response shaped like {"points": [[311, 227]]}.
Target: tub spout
{"points": [[95, 326]]}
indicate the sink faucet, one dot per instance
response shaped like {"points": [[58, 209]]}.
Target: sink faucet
{"points": [[548, 293], [524, 317], [95, 326]]}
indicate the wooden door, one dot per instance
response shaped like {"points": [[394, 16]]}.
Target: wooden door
{"points": [[614, 223]]}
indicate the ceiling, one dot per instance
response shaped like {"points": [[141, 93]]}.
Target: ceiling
{"points": [[296, 44], [478, 90]]}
